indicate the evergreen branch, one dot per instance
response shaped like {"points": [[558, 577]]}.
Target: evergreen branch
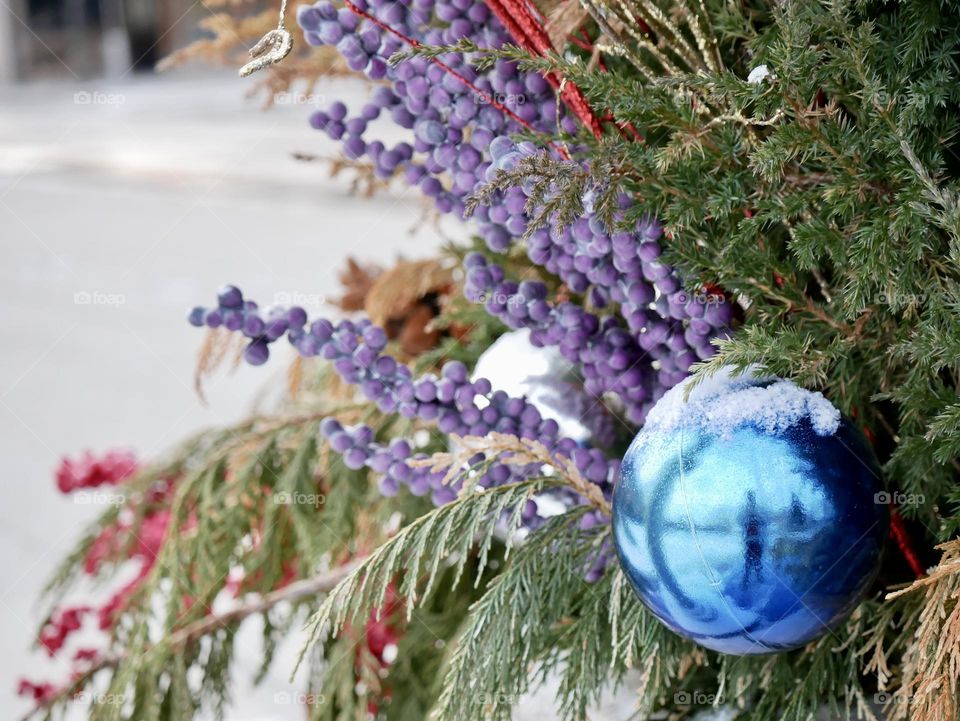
{"points": [[446, 533], [930, 690], [513, 451], [517, 625], [944, 204], [800, 685], [943, 434], [779, 351], [190, 633], [540, 614]]}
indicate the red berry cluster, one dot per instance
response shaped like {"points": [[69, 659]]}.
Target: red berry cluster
{"points": [[383, 632], [61, 624], [149, 539], [90, 471], [39, 692], [115, 543]]}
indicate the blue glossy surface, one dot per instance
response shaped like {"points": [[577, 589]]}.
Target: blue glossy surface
{"points": [[751, 543]]}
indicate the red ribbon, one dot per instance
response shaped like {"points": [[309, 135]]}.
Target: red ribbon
{"points": [[528, 32], [898, 531]]}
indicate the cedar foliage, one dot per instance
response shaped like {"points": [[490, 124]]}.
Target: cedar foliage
{"points": [[823, 199]]}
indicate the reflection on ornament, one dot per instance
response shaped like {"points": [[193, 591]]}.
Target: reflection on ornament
{"points": [[515, 366], [746, 518]]}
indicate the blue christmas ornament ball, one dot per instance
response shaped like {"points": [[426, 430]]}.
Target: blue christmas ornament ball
{"points": [[746, 516]]}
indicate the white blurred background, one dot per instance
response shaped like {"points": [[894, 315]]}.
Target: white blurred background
{"points": [[115, 217]]}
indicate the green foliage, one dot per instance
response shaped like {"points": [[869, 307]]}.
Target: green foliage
{"points": [[539, 613], [447, 532]]}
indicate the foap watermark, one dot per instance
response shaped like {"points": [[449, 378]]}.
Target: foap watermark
{"points": [[701, 298], [501, 699], [287, 498], [286, 97], [304, 300], [96, 297], [898, 299], [96, 97], [298, 698], [880, 97], [508, 99], [94, 698], [882, 698], [498, 298], [98, 498], [899, 498], [697, 697]]}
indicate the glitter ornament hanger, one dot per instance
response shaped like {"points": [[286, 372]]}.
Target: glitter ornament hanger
{"points": [[271, 48]]}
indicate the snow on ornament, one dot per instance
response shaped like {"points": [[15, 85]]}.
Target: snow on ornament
{"points": [[745, 514]]}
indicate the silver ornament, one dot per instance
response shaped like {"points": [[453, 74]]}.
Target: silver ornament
{"points": [[515, 366]]}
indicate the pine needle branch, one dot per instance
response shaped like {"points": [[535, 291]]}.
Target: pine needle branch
{"points": [[513, 451], [446, 533], [175, 642], [931, 676]]}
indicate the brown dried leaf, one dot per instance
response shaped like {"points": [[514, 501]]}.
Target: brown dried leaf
{"points": [[563, 19], [396, 292], [417, 333], [356, 280], [234, 30], [232, 35]]}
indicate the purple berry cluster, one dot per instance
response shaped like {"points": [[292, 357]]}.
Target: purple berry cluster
{"points": [[261, 327], [610, 357], [612, 360], [453, 401], [460, 143], [358, 448], [673, 328], [452, 116]]}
